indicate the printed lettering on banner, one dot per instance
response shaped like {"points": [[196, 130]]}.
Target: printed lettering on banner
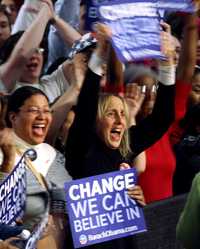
{"points": [[13, 194], [92, 15], [135, 26], [173, 5], [100, 209]]}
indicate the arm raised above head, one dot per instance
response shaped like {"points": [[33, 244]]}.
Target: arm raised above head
{"points": [[154, 126], [10, 71], [188, 53]]}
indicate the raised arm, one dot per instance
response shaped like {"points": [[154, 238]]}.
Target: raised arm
{"points": [[114, 75], [69, 12], [30, 40], [149, 130], [26, 15], [66, 31], [83, 131], [69, 36], [187, 58], [76, 74], [186, 65]]}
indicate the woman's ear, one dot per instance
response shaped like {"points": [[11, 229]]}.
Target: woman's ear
{"points": [[12, 117]]}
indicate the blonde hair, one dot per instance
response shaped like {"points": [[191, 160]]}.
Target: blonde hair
{"points": [[104, 101]]}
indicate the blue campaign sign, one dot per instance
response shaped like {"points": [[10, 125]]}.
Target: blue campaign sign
{"points": [[179, 5], [13, 194], [135, 28], [92, 7], [135, 25], [92, 15], [100, 209]]}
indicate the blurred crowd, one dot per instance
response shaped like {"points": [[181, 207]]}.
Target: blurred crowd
{"points": [[65, 94]]}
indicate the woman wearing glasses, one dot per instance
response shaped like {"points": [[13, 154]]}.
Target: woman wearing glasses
{"points": [[22, 60], [29, 116]]}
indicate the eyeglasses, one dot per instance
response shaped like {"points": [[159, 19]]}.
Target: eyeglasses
{"points": [[152, 89], [37, 111], [39, 50]]}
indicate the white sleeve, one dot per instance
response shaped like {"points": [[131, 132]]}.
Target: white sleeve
{"points": [[55, 84], [167, 75], [26, 15], [95, 64]]}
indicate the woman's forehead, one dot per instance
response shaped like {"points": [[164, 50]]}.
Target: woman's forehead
{"points": [[114, 101], [36, 99]]}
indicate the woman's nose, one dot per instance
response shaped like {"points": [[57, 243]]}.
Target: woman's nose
{"points": [[118, 118]]}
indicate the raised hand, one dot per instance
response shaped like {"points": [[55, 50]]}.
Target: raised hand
{"points": [[103, 35], [134, 96], [167, 44], [50, 9], [197, 5], [77, 69]]}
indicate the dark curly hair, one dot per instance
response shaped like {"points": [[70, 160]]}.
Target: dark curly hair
{"points": [[17, 99]]}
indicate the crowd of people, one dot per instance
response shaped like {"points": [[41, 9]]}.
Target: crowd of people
{"points": [[85, 113]]}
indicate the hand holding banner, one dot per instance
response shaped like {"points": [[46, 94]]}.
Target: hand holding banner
{"points": [[100, 209], [135, 24], [13, 194]]}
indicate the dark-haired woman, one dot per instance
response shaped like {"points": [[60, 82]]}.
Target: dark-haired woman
{"points": [[29, 116]]}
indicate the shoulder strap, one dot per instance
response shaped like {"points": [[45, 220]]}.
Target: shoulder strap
{"points": [[38, 175]]}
